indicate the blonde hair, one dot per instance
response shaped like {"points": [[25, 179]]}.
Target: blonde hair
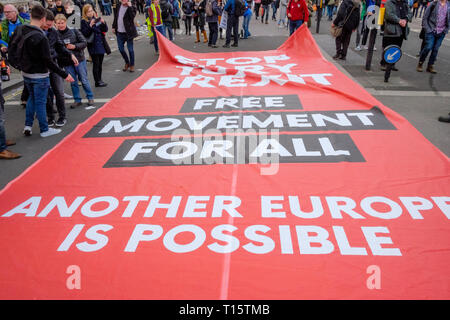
{"points": [[85, 11], [60, 16]]}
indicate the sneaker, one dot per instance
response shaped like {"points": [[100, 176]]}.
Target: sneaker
{"points": [[27, 131], [226, 46], [50, 132], [51, 123], [61, 122], [67, 96], [358, 48], [90, 103], [336, 56], [234, 45], [366, 47], [374, 49], [214, 46], [75, 105]]}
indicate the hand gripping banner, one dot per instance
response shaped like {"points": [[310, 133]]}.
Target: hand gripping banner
{"points": [[233, 175]]}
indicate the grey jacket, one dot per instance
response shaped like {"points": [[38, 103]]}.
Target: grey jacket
{"points": [[391, 19], [430, 17]]}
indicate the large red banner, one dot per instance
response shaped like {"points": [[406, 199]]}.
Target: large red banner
{"points": [[233, 175]]}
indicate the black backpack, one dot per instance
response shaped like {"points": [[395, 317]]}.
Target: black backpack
{"points": [[15, 47], [165, 12], [239, 8]]}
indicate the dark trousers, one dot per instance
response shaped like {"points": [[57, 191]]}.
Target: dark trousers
{"points": [[257, 6], [97, 62], [188, 24], [232, 23], [387, 41], [56, 90], [25, 94], [213, 32], [342, 42]]}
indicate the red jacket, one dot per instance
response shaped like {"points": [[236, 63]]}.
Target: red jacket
{"points": [[298, 10]]}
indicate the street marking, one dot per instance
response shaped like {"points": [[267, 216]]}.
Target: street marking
{"points": [[404, 93], [97, 101]]}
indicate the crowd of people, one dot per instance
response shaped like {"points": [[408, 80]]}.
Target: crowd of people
{"points": [[52, 28]]}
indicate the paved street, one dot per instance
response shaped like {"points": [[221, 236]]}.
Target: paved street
{"points": [[419, 97]]}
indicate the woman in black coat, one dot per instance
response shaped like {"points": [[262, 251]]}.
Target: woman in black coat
{"points": [[93, 28], [199, 19]]}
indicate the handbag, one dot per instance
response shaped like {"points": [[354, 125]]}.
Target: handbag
{"points": [[90, 39], [106, 45], [336, 31]]}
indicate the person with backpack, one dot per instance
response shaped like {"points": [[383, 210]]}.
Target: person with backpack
{"points": [[166, 15], [348, 17], [234, 8], [188, 12], [199, 19], [30, 52], [396, 17], [436, 22], [155, 17], [212, 11], [175, 16], [297, 13]]}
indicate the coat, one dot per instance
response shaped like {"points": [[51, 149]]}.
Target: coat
{"points": [[199, 14], [128, 21], [391, 19], [430, 18], [77, 39], [345, 9], [96, 47], [5, 27]]}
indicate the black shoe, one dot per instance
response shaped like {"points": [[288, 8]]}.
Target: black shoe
{"points": [[336, 56], [226, 46], [101, 84], [234, 45], [394, 68], [75, 105], [209, 45], [444, 119], [342, 58], [61, 122], [51, 123]]}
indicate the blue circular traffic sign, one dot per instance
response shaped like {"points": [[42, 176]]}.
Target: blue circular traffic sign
{"points": [[392, 54]]}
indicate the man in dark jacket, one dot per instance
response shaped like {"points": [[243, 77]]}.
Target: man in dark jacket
{"points": [[125, 29], [396, 28], [232, 24], [348, 17], [57, 49], [36, 62], [166, 15], [213, 22]]}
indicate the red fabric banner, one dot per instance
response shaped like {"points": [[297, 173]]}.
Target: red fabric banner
{"points": [[233, 175]]}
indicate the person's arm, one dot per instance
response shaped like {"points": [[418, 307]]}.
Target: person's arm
{"points": [[81, 40], [86, 28], [48, 61]]}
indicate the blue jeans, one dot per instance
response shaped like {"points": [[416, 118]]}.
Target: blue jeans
{"points": [[107, 8], [169, 29], [274, 11], [162, 30], [330, 12], [121, 39], [80, 72], [265, 13], [37, 101], [433, 42], [245, 25], [294, 25]]}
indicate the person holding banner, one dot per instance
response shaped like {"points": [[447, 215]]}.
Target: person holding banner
{"points": [[396, 28], [297, 13], [155, 16]]}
